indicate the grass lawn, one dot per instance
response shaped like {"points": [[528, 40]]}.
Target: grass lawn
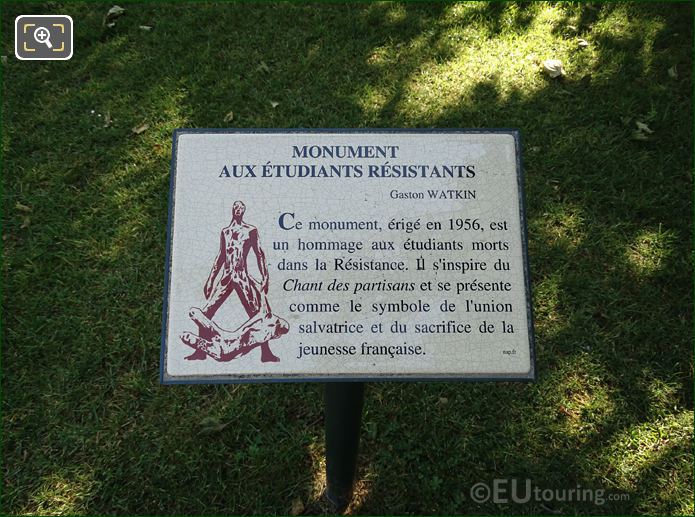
{"points": [[87, 429]]}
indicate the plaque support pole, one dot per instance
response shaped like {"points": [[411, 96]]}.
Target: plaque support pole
{"points": [[344, 402]]}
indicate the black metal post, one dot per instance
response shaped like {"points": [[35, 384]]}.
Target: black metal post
{"points": [[344, 402]]}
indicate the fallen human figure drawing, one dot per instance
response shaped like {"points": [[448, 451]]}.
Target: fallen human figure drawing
{"points": [[225, 345], [230, 274]]}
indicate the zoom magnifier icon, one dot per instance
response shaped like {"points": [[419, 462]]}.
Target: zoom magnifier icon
{"points": [[42, 35], [46, 37]]}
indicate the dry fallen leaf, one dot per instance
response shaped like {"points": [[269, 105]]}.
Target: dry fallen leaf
{"points": [[443, 400], [112, 14], [553, 67], [297, 507], [26, 223], [229, 116], [139, 129], [642, 132], [214, 429], [116, 10], [146, 27], [274, 104], [211, 425], [673, 72], [23, 208], [582, 43], [644, 128]]}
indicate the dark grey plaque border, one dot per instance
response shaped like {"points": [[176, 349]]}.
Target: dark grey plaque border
{"points": [[165, 378]]}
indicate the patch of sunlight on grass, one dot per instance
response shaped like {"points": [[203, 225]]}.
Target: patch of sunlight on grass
{"points": [[127, 189], [61, 495], [111, 50], [468, 48], [361, 488], [663, 396], [616, 24], [395, 14], [548, 294], [642, 446], [386, 61], [584, 402], [619, 28], [649, 250], [360, 492], [126, 233], [561, 225], [372, 101], [317, 454], [316, 498], [509, 60], [459, 9], [165, 113], [648, 33]]}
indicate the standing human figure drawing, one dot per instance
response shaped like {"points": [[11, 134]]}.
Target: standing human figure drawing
{"points": [[229, 274]]}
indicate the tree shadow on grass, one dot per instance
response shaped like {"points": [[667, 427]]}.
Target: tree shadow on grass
{"points": [[86, 423], [612, 327]]}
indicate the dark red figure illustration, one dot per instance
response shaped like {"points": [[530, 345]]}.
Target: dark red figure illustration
{"points": [[230, 274]]}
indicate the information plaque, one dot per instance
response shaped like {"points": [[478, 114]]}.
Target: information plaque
{"points": [[333, 255]]}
